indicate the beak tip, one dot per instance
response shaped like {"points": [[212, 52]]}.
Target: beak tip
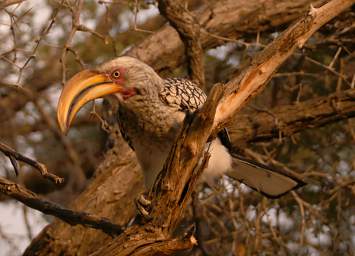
{"points": [[65, 131], [63, 128], [80, 89]]}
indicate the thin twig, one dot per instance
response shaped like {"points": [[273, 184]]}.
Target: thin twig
{"points": [[14, 156]]}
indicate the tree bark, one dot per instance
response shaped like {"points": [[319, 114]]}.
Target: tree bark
{"points": [[173, 188], [117, 182], [116, 185], [287, 120], [226, 19]]}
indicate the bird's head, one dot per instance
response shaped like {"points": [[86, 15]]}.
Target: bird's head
{"points": [[124, 77]]}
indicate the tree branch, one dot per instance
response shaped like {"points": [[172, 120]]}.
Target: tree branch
{"points": [[14, 156], [189, 30], [115, 185], [221, 19], [173, 188], [71, 217], [287, 120], [7, 3], [221, 22], [242, 88]]}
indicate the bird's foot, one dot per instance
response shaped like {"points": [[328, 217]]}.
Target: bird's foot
{"points": [[144, 206]]}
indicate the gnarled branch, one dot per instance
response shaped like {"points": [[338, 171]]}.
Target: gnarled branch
{"points": [[173, 188], [14, 156], [189, 29]]}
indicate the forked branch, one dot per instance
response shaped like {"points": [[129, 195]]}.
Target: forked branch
{"points": [[173, 188], [14, 156], [242, 88]]}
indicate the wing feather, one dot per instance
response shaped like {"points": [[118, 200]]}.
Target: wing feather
{"points": [[182, 94]]}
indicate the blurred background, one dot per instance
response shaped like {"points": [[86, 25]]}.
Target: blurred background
{"points": [[40, 49]]}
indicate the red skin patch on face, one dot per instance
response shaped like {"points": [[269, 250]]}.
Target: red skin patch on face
{"points": [[126, 92], [118, 80]]}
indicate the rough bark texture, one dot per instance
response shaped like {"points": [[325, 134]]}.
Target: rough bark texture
{"points": [[117, 181], [173, 188], [288, 120], [229, 19], [111, 195], [190, 32], [243, 87]]}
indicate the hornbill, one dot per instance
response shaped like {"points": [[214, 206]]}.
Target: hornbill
{"points": [[151, 112]]}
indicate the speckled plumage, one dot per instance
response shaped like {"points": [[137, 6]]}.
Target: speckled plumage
{"points": [[176, 94], [182, 93], [150, 125], [150, 121]]}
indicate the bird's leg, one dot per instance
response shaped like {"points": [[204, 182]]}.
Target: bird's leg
{"points": [[144, 205]]}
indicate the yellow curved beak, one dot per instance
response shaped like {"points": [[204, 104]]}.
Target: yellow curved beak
{"points": [[80, 89]]}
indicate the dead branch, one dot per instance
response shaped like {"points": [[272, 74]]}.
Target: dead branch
{"points": [[115, 188], [218, 25], [242, 88], [71, 217], [174, 186], [287, 120], [53, 128], [118, 181], [75, 26], [189, 30], [220, 20], [14, 156]]}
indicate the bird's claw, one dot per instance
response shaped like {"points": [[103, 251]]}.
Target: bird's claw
{"points": [[143, 205]]}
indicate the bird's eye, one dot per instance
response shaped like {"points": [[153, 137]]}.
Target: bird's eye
{"points": [[116, 74]]}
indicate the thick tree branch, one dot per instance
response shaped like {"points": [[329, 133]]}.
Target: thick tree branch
{"points": [[116, 182], [174, 186], [287, 120], [189, 29], [71, 217], [242, 88], [226, 19]]}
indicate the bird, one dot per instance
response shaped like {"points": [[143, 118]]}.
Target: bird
{"points": [[150, 114]]}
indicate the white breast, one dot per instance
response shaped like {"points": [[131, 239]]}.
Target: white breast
{"points": [[152, 160], [152, 130], [219, 163]]}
